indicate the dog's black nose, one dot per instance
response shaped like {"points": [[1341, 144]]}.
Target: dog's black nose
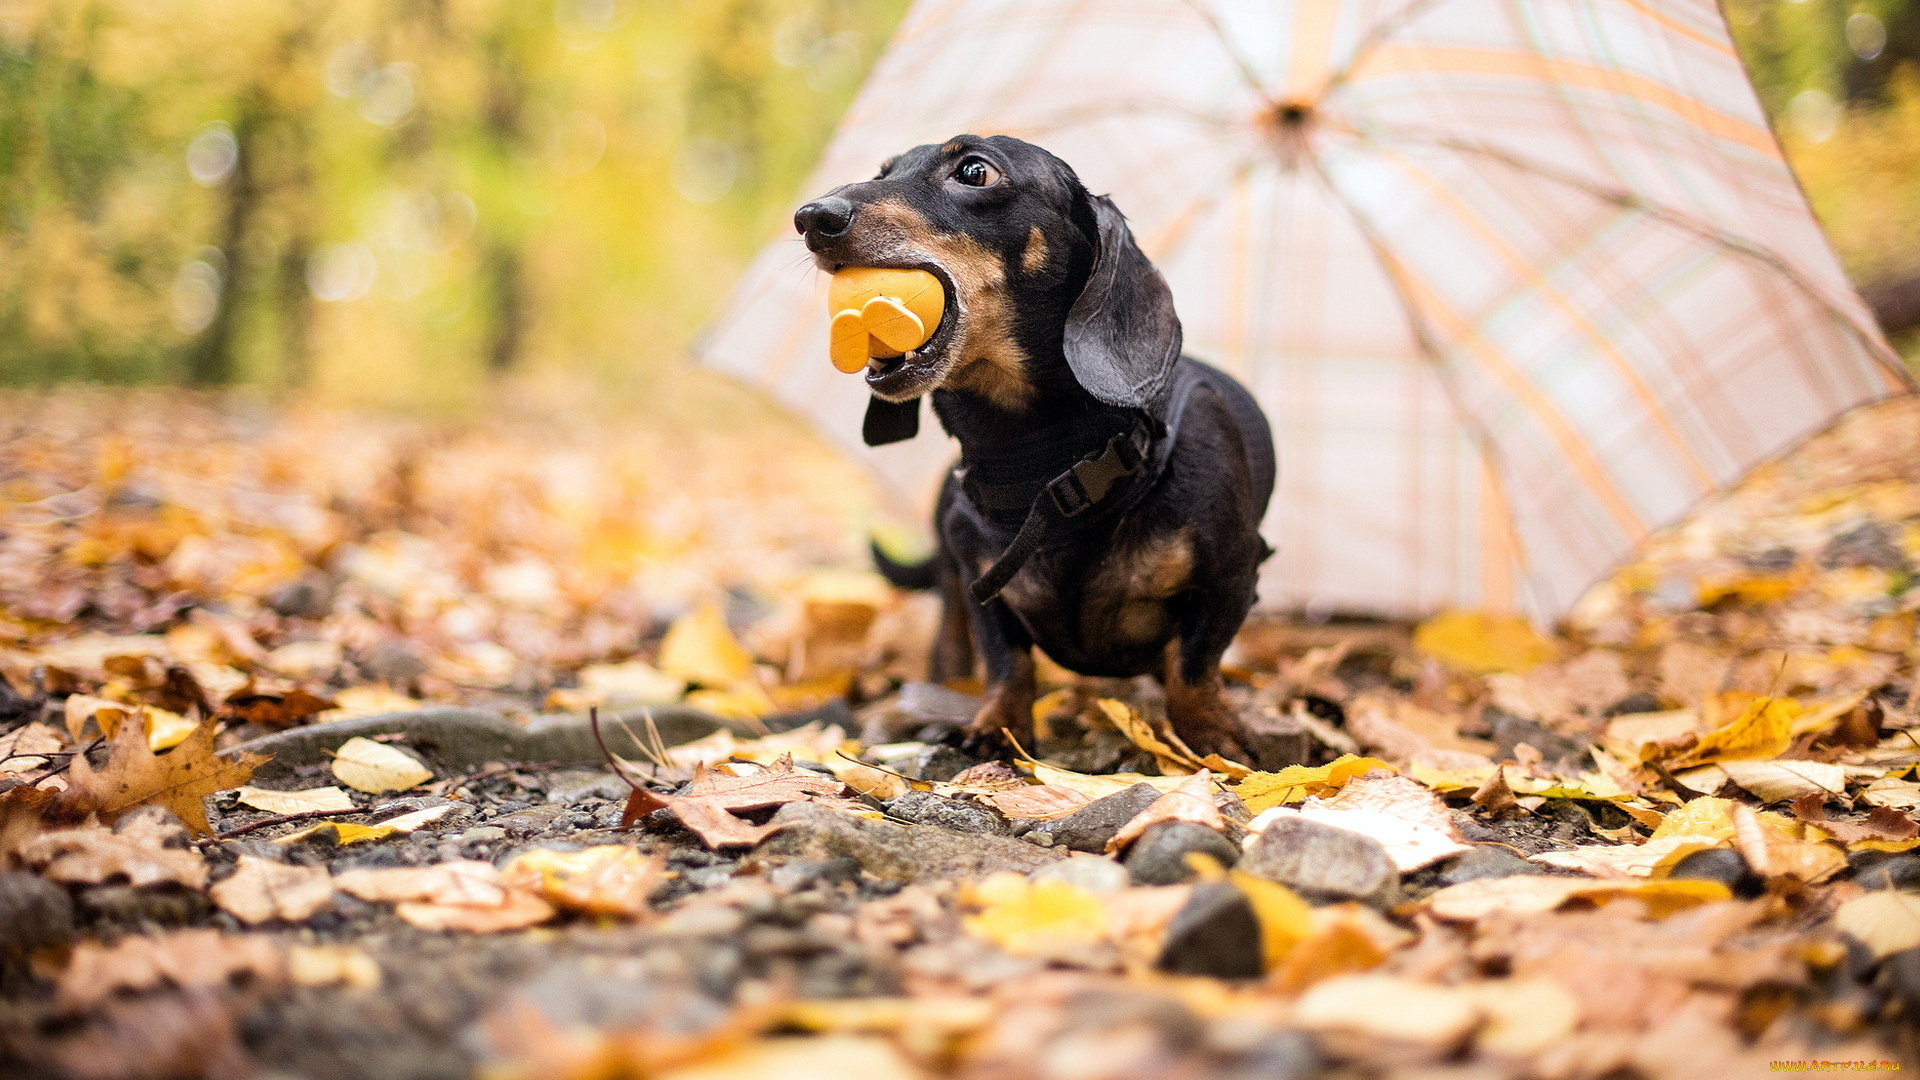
{"points": [[823, 219]]}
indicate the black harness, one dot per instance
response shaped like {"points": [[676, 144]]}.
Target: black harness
{"points": [[1019, 489]]}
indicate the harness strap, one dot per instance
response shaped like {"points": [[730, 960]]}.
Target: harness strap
{"points": [[1067, 496]]}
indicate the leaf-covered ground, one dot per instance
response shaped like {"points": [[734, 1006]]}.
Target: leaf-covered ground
{"points": [[1676, 839]]}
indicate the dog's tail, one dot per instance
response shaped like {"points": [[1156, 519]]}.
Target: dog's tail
{"points": [[904, 575]]}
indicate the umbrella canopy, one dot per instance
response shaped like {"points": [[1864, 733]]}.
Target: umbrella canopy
{"points": [[1516, 281]]}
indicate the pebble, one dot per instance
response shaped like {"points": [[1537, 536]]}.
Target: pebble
{"points": [[926, 808], [801, 873], [894, 852], [531, 820], [573, 787], [128, 906], [1486, 861], [1901, 972], [482, 834], [1215, 934], [1283, 1055], [34, 914], [1899, 872], [1324, 864], [1159, 857], [938, 763], [1090, 827], [1089, 873], [1723, 865]]}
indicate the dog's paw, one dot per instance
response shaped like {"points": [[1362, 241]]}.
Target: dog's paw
{"points": [[1005, 719], [1209, 725]]}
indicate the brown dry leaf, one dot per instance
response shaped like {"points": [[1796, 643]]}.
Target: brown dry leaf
{"points": [[1263, 790], [22, 749], [277, 710], [789, 1058], [518, 910], [138, 851], [611, 879], [1173, 760], [1408, 819], [1392, 1008], [707, 805], [332, 965], [1528, 894], [1335, 947], [1098, 787], [1628, 860], [464, 895], [1403, 732], [1523, 1016], [1191, 801], [1773, 854], [134, 775], [311, 800], [1041, 802], [365, 765], [1882, 823], [187, 959], [261, 889], [1893, 793]]}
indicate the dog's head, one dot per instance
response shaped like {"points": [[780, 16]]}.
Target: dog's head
{"points": [[1037, 273]]}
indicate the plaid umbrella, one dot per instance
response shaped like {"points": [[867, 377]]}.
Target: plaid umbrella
{"points": [[1516, 281]]}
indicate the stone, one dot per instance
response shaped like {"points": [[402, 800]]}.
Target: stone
{"points": [[894, 852], [1215, 934], [482, 834], [1510, 731], [801, 873], [533, 819], [938, 763], [577, 785], [1486, 861], [1089, 873], [1159, 857], [1900, 973], [1898, 872], [1324, 864], [1283, 1055], [1276, 741], [34, 914], [1090, 827], [926, 808], [1723, 865], [930, 701]]}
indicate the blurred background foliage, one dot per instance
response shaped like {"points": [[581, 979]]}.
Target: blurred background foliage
{"points": [[397, 202]]}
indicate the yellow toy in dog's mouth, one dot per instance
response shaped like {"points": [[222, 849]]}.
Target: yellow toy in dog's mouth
{"points": [[880, 313]]}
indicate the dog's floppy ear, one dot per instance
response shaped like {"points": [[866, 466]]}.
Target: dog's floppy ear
{"points": [[890, 421], [1122, 334]]}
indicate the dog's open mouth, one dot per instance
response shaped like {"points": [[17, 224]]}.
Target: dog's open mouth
{"points": [[914, 372]]}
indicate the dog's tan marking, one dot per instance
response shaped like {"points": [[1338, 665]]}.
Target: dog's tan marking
{"points": [[984, 358], [953, 146], [1034, 258], [1141, 580]]}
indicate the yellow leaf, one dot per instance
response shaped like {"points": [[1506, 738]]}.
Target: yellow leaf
{"points": [[1034, 918], [1885, 921], [1099, 787], [1285, 919], [1130, 723], [610, 879], [1482, 642], [1708, 817], [1760, 728], [1264, 791], [365, 765], [330, 799], [1447, 780], [345, 832], [698, 647]]}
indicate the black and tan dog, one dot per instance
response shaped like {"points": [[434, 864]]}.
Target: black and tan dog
{"points": [[1107, 501]]}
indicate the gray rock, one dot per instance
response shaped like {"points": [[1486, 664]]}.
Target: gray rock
{"points": [[531, 820], [482, 834], [930, 701], [893, 852], [1486, 861], [800, 873], [1276, 741], [1724, 865], [34, 914], [1090, 827], [1899, 872], [1510, 731], [938, 763], [576, 785], [1324, 864], [1092, 873], [1215, 934], [1283, 1055], [926, 808], [1159, 857]]}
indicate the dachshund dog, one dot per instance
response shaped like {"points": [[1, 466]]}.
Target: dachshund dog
{"points": [[1107, 501]]}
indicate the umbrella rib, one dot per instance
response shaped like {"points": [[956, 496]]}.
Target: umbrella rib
{"points": [[1704, 230], [1375, 38], [1477, 433], [1240, 62]]}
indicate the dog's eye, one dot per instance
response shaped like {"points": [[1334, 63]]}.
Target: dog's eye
{"points": [[977, 172]]}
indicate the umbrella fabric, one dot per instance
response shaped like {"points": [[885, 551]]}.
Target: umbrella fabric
{"points": [[1516, 281]]}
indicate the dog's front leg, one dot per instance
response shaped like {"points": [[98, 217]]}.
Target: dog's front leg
{"points": [[1008, 650], [1196, 695]]}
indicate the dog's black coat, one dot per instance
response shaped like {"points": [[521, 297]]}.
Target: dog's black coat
{"points": [[1060, 335]]}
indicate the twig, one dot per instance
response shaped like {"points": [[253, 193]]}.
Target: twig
{"points": [[282, 819], [614, 762]]}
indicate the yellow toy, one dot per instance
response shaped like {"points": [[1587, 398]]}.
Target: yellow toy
{"points": [[880, 313]]}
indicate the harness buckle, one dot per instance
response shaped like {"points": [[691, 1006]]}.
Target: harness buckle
{"points": [[1082, 487]]}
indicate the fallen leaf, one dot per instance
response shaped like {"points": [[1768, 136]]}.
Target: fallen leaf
{"points": [[365, 765], [1407, 819], [708, 803], [461, 895], [1757, 728], [1047, 918], [1263, 791], [1192, 801], [261, 889], [277, 710], [186, 959], [1894, 793], [1885, 920], [1098, 787], [139, 851], [1772, 853], [518, 910], [1040, 802], [1523, 1016], [321, 799], [1390, 1007], [699, 648], [1481, 642], [1526, 894], [1882, 823], [134, 775], [789, 1058], [332, 965], [1783, 781], [164, 729], [1628, 860], [1285, 919], [22, 748], [611, 879], [1339, 942], [1172, 759]]}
